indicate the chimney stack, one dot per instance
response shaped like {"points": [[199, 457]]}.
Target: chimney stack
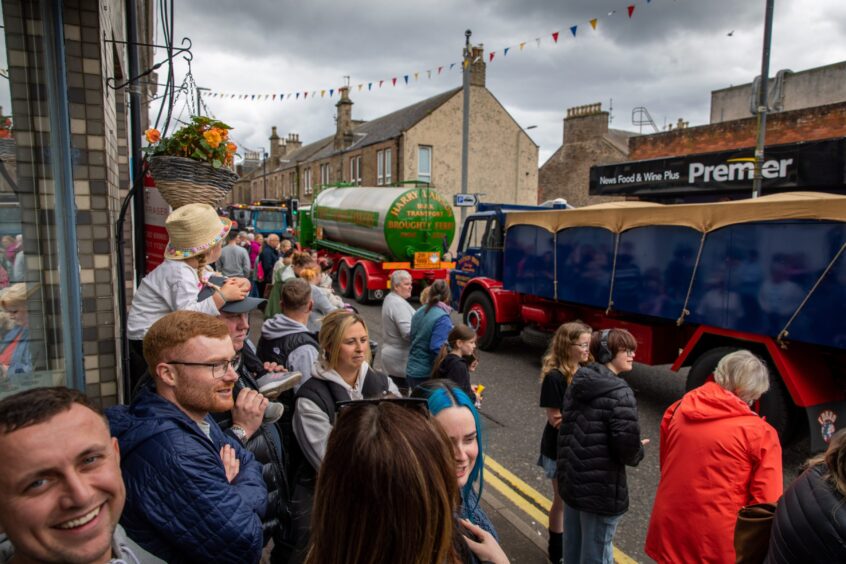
{"points": [[344, 130], [477, 65], [277, 148], [293, 142]]}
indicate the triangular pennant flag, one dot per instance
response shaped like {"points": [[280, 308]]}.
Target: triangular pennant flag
{"points": [[440, 69], [254, 96], [305, 95], [322, 93], [538, 40], [274, 96], [491, 56], [415, 75], [331, 91], [370, 86], [593, 23], [360, 87], [555, 37], [406, 79], [466, 63], [429, 72], [631, 10], [573, 30], [523, 44], [451, 65], [266, 96], [505, 51], [380, 83], [394, 81]]}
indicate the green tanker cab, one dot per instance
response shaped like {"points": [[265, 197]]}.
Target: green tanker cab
{"points": [[392, 222]]}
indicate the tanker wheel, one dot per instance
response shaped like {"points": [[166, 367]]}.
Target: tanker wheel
{"points": [[479, 316], [345, 279], [359, 285], [775, 405]]}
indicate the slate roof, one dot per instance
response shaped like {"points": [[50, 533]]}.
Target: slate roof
{"points": [[386, 127], [305, 153]]}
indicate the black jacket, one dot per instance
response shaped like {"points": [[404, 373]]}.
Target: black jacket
{"points": [[810, 522], [598, 437], [454, 368]]}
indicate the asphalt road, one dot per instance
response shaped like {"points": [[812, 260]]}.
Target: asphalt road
{"points": [[513, 429]]}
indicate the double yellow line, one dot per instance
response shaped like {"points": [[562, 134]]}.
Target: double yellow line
{"points": [[527, 499]]}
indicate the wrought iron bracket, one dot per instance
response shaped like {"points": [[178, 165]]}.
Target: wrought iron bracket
{"points": [[185, 50]]}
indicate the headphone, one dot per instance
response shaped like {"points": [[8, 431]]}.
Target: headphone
{"points": [[605, 355]]}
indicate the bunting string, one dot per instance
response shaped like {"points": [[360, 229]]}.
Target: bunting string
{"points": [[404, 78]]}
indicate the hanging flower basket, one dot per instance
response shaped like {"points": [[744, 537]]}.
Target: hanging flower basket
{"points": [[184, 181], [191, 166]]}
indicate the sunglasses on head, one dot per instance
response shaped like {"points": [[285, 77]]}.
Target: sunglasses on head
{"points": [[417, 404]]}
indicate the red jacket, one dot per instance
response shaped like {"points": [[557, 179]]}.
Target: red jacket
{"points": [[716, 456]]}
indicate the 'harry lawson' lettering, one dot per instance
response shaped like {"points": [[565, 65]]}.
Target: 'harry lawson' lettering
{"points": [[737, 171]]}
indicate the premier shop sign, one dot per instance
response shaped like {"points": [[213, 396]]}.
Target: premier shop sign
{"points": [[817, 165]]}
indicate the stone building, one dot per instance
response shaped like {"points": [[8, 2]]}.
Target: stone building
{"points": [[67, 165], [587, 141], [419, 142]]}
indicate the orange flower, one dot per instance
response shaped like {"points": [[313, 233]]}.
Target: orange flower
{"points": [[153, 135], [231, 147], [213, 137], [224, 133]]}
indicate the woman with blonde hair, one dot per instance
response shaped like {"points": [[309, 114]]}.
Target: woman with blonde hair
{"points": [[15, 353], [568, 350], [341, 373], [717, 455]]}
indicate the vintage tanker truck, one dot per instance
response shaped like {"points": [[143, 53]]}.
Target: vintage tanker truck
{"points": [[692, 282], [370, 232]]}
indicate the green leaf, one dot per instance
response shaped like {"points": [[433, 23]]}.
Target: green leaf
{"points": [[199, 155], [216, 163], [205, 145]]}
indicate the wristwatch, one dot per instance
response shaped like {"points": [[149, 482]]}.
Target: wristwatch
{"points": [[239, 432]]}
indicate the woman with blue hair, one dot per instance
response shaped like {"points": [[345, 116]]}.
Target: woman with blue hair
{"points": [[456, 413]]}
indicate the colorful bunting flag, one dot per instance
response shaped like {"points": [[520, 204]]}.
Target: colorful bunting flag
{"points": [[573, 30], [394, 80], [505, 51], [523, 44], [491, 56], [415, 75], [369, 86], [331, 91], [406, 79], [555, 37], [631, 10], [593, 23], [441, 68]]}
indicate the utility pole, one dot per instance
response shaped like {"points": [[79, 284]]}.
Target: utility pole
{"points": [[763, 100], [465, 123], [199, 100]]}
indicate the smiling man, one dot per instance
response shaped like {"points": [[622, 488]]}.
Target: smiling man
{"points": [[193, 494], [61, 492]]}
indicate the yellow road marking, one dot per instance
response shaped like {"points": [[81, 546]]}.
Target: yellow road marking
{"points": [[511, 494], [519, 484]]}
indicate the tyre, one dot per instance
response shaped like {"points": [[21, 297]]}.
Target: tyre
{"points": [[775, 405], [359, 285], [479, 315], [345, 284]]}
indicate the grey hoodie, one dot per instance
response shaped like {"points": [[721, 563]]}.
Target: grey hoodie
{"points": [[302, 358]]}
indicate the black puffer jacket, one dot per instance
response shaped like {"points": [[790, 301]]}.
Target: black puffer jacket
{"points": [[598, 437], [810, 522]]}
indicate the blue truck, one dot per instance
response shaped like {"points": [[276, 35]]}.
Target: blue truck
{"points": [[692, 282]]}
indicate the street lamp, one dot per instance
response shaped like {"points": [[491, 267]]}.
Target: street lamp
{"points": [[517, 162]]}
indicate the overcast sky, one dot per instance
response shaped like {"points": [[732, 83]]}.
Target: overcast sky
{"points": [[667, 57]]}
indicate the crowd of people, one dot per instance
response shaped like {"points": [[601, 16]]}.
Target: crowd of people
{"points": [[301, 448]]}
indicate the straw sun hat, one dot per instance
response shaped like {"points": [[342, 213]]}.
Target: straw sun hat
{"points": [[194, 229]]}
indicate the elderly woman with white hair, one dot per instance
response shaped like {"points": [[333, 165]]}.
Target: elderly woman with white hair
{"points": [[717, 455], [396, 327]]}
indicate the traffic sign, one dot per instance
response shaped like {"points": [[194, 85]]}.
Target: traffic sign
{"points": [[465, 200]]}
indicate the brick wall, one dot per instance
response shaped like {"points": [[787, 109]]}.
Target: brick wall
{"points": [[821, 122]]}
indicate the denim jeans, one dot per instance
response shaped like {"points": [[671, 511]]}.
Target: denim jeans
{"points": [[588, 536]]}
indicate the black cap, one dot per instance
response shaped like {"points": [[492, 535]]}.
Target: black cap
{"points": [[240, 306]]}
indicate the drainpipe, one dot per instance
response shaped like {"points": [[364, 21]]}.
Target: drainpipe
{"points": [[70, 289]]}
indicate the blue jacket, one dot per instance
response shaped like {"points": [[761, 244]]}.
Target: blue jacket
{"points": [[429, 330], [179, 505]]}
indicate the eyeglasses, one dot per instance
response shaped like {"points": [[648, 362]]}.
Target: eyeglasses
{"points": [[218, 369], [630, 352], [417, 404], [583, 346]]}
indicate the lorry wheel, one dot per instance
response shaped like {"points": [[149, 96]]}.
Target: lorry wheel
{"points": [[479, 316], [359, 285], [775, 405], [345, 284]]}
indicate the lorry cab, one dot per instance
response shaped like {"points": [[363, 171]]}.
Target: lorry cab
{"points": [[479, 252]]}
